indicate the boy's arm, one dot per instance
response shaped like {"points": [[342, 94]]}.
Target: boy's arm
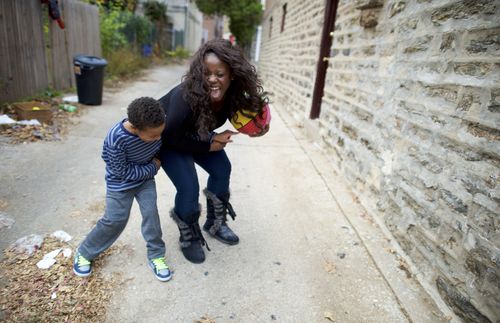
{"points": [[117, 164]]}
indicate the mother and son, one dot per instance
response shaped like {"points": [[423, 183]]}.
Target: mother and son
{"points": [[174, 133]]}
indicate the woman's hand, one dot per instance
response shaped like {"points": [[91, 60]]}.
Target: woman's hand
{"points": [[220, 140], [263, 132]]}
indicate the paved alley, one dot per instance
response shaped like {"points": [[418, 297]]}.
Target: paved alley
{"points": [[307, 251]]}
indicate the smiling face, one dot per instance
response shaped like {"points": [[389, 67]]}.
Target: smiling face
{"points": [[218, 76]]}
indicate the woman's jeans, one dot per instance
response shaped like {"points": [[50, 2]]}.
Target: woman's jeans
{"points": [[181, 170], [116, 215]]}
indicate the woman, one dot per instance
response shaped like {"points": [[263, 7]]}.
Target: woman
{"points": [[219, 82]]}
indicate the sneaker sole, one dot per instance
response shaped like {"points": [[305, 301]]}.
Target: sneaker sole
{"points": [[80, 274], [163, 279], [231, 243], [166, 279]]}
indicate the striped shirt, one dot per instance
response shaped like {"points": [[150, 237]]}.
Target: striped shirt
{"points": [[128, 159]]}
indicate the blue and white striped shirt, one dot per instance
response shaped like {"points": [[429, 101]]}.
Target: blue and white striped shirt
{"points": [[128, 159]]}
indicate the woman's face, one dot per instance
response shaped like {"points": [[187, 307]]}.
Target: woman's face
{"points": [[218, 76]]}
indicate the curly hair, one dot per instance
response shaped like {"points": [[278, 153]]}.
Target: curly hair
{"points": [[244, 92], [145, 112]]}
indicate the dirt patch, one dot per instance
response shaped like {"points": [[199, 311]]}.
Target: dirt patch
{"points": [[30, 294], [56, 130]]}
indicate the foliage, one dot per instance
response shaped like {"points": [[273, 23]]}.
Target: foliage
{"points": [[138, 29], [124, 62], [120, 29], [244, 16], [213, 7], [129, 5], [179, 54], [111, 37], [155, 11]]}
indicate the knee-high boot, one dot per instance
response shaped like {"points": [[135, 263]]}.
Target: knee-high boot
{"points": [[191, 239], [217, 209]]}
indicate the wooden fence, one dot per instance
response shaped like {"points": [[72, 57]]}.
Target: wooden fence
{"points": [[32, 62]]}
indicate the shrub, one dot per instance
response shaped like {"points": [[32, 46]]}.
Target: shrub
{"points": [[180, 53], [123, 62]]}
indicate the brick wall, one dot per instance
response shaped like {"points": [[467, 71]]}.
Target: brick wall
{"points": [[411, 117]]}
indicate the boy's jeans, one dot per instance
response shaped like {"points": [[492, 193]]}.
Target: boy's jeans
{"points": [[111, 225]]}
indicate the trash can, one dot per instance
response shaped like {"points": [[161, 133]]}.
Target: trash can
{"points": [[89, 73]]}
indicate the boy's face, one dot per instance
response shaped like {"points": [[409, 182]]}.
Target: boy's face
{"points": [[150, 134]]}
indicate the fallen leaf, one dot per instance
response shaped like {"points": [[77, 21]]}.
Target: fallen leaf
{"points": [[3, 204], [330, 267], [205, 319], [329, 316]]}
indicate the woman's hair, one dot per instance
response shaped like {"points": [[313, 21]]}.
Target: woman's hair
{"points": [[244, 92], [145, 112]]}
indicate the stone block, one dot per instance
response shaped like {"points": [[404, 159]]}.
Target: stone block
{"points": [[448, 41], [458, 300], [476, 69], [483, 41], [418, 45], [396, 7], [484, 222], [453, 201], [350, 131], [462, 10], [369, 18], [494, 104], [482, 131], [368, 4], [446, 92]]}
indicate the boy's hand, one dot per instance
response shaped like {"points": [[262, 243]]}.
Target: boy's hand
{"points": [[157, 162]]}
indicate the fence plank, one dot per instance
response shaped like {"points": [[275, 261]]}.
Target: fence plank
{"points": [[26, 63], [81, 36], [23, 71]]}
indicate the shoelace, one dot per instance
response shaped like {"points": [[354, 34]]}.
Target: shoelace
{"points": [[197, 234], [159, 263], [231, 210], [82, 261]]}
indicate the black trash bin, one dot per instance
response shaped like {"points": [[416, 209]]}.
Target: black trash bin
{"points": [[89, 73]]}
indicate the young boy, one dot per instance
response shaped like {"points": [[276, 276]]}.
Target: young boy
{"points": [[129, 152]]}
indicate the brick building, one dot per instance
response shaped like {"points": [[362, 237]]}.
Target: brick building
{"points": [[408, 111]]}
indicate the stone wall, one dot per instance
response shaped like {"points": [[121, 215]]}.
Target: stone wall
{"points": [[411, 117], [287, 60]]}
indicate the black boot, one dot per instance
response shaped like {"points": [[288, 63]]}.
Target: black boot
{"points": [[191, 239], [217, 209]]}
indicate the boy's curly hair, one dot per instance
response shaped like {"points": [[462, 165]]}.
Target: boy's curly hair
{"points": [[244, 92], [145, 112]]}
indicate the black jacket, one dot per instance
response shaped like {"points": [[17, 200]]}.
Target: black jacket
{"points": [[180, 132]]}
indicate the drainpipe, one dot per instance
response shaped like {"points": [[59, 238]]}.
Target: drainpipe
{"points": [[185, 24], [257, 43], [324, 53]]}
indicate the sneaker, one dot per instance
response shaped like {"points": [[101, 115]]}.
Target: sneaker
{"points": [[81, 266], [160, 269]]}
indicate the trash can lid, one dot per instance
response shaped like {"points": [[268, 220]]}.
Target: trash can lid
{"points": [[90, 60]]}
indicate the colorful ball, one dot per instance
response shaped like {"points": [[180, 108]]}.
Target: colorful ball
{"points": [[251, 125]]}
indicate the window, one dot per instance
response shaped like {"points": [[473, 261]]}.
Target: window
{"points": [[283, 16], [270, 26]]}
